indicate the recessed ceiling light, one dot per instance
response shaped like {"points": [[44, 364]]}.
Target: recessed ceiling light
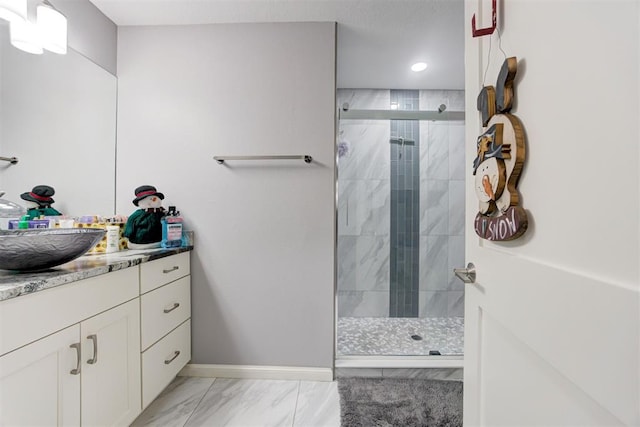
{"points": [[419, 66]]}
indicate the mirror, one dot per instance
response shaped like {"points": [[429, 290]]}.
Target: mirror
{"points": [[58, 117]]}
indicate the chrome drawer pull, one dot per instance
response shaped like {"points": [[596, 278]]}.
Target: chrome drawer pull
{"points": [[175, 354], [175, 267], [93, 338], [169, 310], [77, 370]]}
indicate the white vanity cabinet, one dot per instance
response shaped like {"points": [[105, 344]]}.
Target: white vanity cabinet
{"points": [[95, 362], [74, 354], [110, 375], [94, 351], [38, 384], [165, 305]]}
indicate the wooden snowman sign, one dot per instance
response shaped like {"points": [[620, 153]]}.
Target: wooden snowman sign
{"points": [[499, 161]]}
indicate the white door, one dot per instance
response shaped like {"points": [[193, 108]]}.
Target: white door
{"points": [[40, 382], [552, 322], [111, 390]]}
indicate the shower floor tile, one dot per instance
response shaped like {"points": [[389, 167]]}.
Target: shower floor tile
{"points": [[380, 336]]}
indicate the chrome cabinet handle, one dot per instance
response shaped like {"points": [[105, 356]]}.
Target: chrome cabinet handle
{"points": [[93, 338], [467, 275], [175, 267], [169, 310], [77, 370], [175, 354]]}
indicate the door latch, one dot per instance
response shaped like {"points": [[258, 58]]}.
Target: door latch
{"points": [[467, 275]]}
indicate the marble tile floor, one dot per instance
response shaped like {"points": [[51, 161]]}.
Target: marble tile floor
{"points": [[392, 336], [193, 401]]}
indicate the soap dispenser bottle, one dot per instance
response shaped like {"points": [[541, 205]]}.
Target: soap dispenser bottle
{"points": [[171, 229]]}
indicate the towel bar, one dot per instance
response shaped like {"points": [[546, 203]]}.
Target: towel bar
{"points": [[12, 160], [305, 157]]}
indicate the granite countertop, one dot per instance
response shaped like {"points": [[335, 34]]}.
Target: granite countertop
{"points": [[14, 284]]}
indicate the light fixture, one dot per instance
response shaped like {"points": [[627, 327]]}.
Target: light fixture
{"points": [[419, 66], [25, 36], [53, 28], [13, 10]]}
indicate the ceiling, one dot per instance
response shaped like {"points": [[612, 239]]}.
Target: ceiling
{"points": [[378, 40]]}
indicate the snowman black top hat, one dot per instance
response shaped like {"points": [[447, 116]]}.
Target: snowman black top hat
{"points": [[146, 191], [41, 194]]}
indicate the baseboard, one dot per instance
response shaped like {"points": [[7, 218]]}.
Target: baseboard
{"points": [[257, 372]]}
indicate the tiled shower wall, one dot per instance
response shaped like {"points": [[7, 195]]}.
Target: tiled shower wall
{"points": [[405, 208], [364, 208]]}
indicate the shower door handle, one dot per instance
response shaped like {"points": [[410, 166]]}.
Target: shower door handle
{"points": [[467, 275]]}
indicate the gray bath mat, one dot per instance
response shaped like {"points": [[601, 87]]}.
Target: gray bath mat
{"points": [[401, 402]]}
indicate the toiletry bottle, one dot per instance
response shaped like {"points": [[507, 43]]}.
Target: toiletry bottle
{"points": [[171, 229], [113, 239]]}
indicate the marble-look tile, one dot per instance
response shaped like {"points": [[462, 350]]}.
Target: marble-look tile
{"points": [[346, 261], [434, 254], [363, 304], [318, 405], [446, 374], [372, 263], [438, 161], [456, 260], [176, 403], [347, 162], [431, 99], [348, 208], [424, 149], [434, 303], [244, 403], [365, 99], [364, 207], [434, 207], [359, 372], [456, 208], [455, 304], [374, 161], [457, 164], [368, 150], [456, 100], [374, 208]]}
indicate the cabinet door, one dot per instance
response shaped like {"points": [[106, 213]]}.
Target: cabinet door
{"points": [[111, 366], [37, 386]]}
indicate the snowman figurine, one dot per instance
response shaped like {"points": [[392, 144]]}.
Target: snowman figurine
{"points": [[144, 227], [38, 202]]}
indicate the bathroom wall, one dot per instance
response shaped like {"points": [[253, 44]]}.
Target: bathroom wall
{"points": [[263, 265], [364, 211]]}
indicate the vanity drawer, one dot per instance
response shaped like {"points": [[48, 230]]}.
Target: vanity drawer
{"points": [[162, 271], [164, 309], [162, 361]]}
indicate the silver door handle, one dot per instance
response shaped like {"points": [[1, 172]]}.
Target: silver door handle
{"points": [[467, 275], [175, 267], [77, 370], [93, 338]]}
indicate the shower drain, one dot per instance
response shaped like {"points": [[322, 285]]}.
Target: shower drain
{"points": [[416, 337]]}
